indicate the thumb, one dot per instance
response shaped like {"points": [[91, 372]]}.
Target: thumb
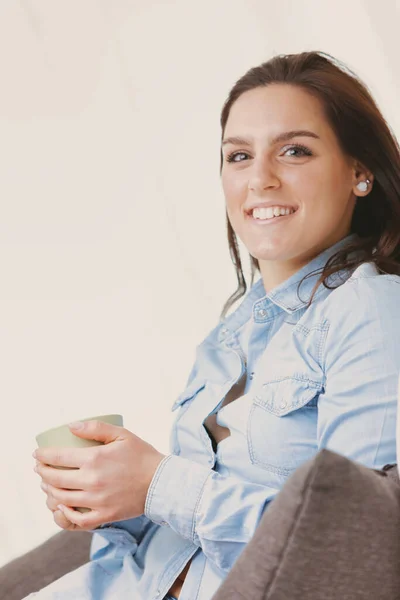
{"points": [[96, 430]]}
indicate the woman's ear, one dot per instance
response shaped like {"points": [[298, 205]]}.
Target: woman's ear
{"points": [[363, 176]]}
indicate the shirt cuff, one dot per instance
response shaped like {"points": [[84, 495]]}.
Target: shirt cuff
{"points": [[175, 492]]}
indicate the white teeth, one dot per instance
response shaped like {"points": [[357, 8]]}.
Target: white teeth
{"points": [[271, 212]]}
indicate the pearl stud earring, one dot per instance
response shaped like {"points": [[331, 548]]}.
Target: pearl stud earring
{"points": [[363, 185]]}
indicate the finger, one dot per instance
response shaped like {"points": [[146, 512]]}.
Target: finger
{"points": [[85, 521], [67, 497], [51, 503], [61, 520], [60, 478], [64, 457], [98, 430]]}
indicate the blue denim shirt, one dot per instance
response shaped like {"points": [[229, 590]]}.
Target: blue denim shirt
{"points": [[323, 376]]}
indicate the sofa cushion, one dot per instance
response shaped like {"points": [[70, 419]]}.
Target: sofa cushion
{"points": [[332, 533]]}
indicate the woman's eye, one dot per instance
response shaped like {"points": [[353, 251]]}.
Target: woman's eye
{"points": [[297, 151], [231, 157], [298, 148]]}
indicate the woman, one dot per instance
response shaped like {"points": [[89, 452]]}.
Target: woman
{"points": [[309, 360]]}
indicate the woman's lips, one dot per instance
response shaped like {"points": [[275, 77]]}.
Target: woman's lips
{"points": [[266, 222]]}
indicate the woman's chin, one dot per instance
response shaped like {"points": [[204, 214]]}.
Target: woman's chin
{"points": [[271, 254]]}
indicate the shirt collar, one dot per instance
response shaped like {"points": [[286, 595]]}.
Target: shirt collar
{"points": [[289, 296], [286, 296]]}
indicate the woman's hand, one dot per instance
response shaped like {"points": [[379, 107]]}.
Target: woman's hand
{"points": [[59, 518], [112, 479]]}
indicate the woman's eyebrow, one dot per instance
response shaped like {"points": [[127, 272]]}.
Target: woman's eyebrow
{"points": [[282, 137]]}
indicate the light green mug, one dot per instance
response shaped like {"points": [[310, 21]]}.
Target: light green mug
{"points": [[62, 437]]}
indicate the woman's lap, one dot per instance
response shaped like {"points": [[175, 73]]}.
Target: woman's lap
{"points": [[102, 579]]}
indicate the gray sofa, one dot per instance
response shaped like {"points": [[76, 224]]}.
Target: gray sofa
{"points": [[332, 533]]}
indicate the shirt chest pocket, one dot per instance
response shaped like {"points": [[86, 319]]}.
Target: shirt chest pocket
{"points": [[282, 424]]}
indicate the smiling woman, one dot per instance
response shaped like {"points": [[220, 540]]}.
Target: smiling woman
{"points": [[311, 178], [316, 181], [297, 131]]}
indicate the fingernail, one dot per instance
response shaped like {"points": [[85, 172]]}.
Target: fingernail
{"points": [[34, 454], [43, 486], [76, 425]]}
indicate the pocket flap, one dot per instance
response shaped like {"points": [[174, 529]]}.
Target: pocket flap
{"points": [[189, 392], [286, 394]]}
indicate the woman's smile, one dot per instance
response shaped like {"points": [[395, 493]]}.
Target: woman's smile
{"points": [[282, 219]]}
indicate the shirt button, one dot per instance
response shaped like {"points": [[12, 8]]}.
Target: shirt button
{"points": [[163, 523], [158, 593], [283, 404], [261, 313]]}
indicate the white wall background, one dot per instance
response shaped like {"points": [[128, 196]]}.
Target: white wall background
{"points": [[114, 262]]}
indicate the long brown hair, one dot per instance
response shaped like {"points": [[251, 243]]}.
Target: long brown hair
{"points": [[363, 134]]}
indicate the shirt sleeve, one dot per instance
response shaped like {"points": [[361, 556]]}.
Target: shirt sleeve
{"points": [[112, 539], [357, 409], [217, 513]]}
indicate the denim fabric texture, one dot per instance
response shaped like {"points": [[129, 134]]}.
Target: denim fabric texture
{"points": [[323, 376]]}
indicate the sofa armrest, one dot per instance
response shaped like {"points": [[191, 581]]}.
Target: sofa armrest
{"points": [[60, 554], [332, 532]]}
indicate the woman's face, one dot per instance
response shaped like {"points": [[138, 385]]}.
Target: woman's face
{"points": [[317, 182]]}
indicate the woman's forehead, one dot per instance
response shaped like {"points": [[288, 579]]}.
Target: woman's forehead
{"points": [[273, 111]]}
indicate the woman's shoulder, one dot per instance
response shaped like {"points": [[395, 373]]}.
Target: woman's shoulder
{"points": [[369, 271], [366, 292]]}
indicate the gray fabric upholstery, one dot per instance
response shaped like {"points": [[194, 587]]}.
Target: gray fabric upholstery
{"points": [[62, 553], [333, 532]]}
